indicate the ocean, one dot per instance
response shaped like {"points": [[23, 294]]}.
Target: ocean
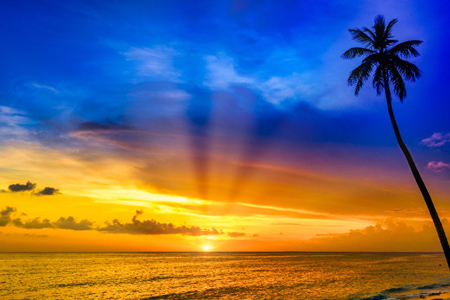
{"points": [[286, 275]]}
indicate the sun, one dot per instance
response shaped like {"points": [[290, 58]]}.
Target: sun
{"points": [[206, 248]]}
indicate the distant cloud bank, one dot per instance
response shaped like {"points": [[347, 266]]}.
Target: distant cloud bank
{"points": [[151, 227], [135, 227]]}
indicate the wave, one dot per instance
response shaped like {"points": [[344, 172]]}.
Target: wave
{"points": [[411, 292], [212, 293], [433, 286], [72, 284], [377, 297]]}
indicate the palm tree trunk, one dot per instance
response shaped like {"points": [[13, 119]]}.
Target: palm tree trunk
{"points": [[417, 177]]}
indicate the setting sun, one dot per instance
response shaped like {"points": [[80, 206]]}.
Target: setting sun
{"points": [[206, 248]]}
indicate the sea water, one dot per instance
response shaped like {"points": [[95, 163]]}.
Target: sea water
{"points": [[222, 275]]}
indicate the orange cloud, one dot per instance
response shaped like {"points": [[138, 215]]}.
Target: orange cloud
{"points": [[386, 236]]}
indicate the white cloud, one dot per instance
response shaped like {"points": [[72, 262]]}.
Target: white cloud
{"points": [[12, 117], [222, 73], [307, 85], [163, 94], [11, 122], [6, 110], [156, 62], [436, 140], [277, 89], [438, 166], [45, 87]]}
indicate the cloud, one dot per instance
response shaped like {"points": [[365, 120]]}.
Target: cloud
{"points": [[287, 224], [48, 191], [62, 223], [29, 186], [138, 213], [45, 87], [33, 224], [151, 227], [236, 234], [438, 166], [94, 126], [36, 235], [72, 224], [437, 139], [22, 187], [388, 235], [109, 134], [136, 227], [36, 223], [13, 118], [156, 62], [277, 89], [5, 215], [222, 73]]}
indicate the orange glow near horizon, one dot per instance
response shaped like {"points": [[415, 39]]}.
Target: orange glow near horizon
{"points": [[308, 207]]}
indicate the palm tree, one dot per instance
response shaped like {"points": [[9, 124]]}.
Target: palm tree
{"points": [[382, 56]]}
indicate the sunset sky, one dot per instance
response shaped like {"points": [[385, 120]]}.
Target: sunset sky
{"points": [[180, 125]]}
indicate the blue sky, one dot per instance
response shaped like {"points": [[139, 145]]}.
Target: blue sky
{"points": [[87, 57], [148, 64], [215, 84]]}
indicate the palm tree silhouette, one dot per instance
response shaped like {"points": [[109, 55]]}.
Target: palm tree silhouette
{"points": [[382, 55]]}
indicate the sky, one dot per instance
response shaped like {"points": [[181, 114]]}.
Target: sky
{"points": [[219, 125]]}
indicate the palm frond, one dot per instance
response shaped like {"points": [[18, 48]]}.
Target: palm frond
{"points": [[362, 37], [383, 35], [379, 22], [369, 32], [378, 83], [399, 84], [390, 42], [379, 28], [374, 58], [408, 70], [359, 75], [388, 31], [356, 52], [406, 49]]}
